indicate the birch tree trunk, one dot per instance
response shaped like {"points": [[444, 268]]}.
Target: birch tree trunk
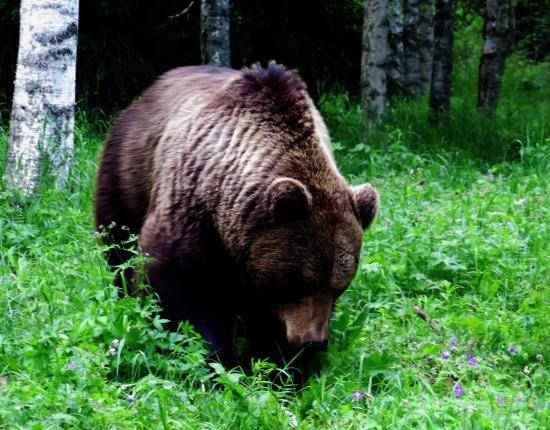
{"points": [[413, 83], [395, 68], [215, 46], [42, 115], [497, 34], [374, 58], [442, 63], [426, 37]]}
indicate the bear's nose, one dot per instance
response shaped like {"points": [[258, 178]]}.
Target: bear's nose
{"points": [[315, 346]]}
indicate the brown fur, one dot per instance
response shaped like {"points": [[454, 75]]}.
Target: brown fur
{"points": [[229, 179]]}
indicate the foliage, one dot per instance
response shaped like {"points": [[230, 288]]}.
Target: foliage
{"points": [[522, 115], [9, 32], [463, 233], [533, 27], [125, 44]]}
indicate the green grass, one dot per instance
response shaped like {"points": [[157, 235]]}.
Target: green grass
{"points": [[463, 232]]}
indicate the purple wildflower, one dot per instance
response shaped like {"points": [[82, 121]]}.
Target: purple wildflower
{"points": [[453, 341], [71, 365], [130, 398], [111, 351], [113, 224], [445, 355], [512, 351], [470, 342], [429, 358], [147, 255], [4, 380], [469, 356], [115, 343], [490, 176], [96, 233], [458, 391], [500, 400], [473, 362], [358, 395]]}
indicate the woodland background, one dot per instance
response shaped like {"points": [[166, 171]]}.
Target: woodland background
{"points": [[124, 45]]}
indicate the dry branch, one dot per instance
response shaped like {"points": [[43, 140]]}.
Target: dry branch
{"points": [[417, 310]]}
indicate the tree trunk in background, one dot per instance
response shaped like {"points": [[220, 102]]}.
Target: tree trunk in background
{"points": [[395, 68], [426, 37], [498, 36], [442, 63], [413, 83], [42, 116], [374, 58], [215, 46]]}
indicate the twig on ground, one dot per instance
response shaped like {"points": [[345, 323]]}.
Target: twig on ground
{"points": [[426, 318]]}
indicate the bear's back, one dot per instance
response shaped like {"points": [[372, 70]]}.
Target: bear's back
{"points": [[229, 130], [125, 178]]}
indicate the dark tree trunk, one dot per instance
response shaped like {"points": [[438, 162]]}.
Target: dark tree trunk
{"points": [[374, 58], [426, 38], [442, 63], [395, 69], [413, 83], [215, 47], [497, 35]]}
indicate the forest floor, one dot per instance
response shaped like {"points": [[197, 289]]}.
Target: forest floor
{"points": [[463, 233]]}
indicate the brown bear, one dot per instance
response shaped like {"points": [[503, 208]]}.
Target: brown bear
{"points": [[229, 179]]}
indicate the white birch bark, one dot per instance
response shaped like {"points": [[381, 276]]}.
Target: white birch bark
{"points": [[442, 63], [215, 46], [395, 67], [498, 37], [42, 116], [411, 40], [426, 38], [374, 59]]}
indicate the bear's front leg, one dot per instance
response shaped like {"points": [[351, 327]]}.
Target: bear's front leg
{"points": [[179, 302], [188, 287]]}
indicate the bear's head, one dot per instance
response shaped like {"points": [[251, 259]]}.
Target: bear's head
{"points": [[305, 253]]}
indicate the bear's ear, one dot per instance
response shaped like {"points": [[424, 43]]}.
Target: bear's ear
{"points": [[288, 200], [367, 201]]}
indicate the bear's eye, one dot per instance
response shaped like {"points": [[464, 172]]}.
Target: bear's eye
{"points": [[344, 270], [348, 262]]}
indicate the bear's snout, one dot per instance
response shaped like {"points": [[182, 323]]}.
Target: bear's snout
{"points": [[311, 339], [306, 323]]}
